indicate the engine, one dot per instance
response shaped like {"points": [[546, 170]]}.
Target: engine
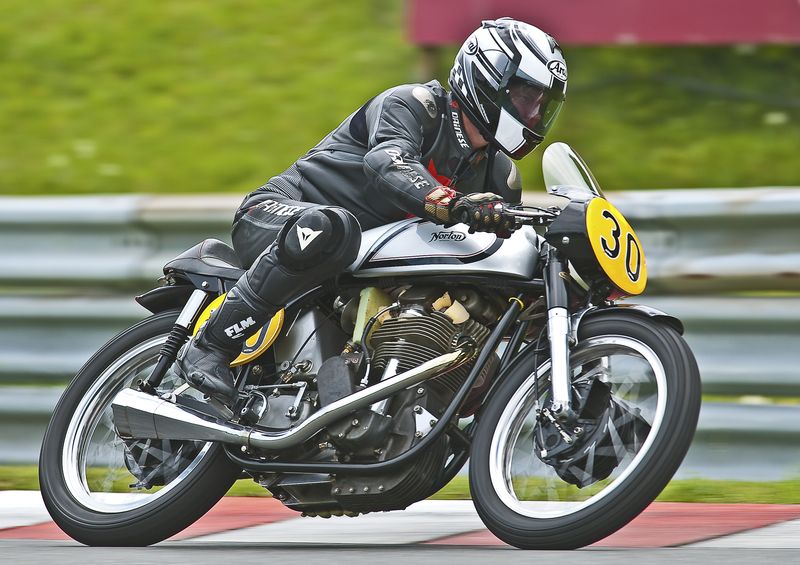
{"points": [[421, 324], [428, 324]]}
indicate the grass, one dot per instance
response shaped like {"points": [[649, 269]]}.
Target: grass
{"points": [[24, 477], [195, 96], [688, 490]]}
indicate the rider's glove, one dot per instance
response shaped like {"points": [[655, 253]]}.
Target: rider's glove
{"points": [[483, 211], [438, 202], [480, 211]]}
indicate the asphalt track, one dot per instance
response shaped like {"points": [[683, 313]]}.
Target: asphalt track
{"points": [[441, 532], [50, 553]]}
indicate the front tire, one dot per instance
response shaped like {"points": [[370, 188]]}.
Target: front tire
{"points": [[86, 484], [523, 501]]}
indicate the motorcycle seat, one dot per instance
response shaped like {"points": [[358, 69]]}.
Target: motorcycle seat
{"points": [[209, 258]]}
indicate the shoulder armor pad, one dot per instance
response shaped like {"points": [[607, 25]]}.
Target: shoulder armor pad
{"points": [[421, 98]]}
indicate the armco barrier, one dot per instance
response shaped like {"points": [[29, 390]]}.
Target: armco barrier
{"points": [[743, 345], [712, 241], [70, 267], [696, 241], [733, 441], [102, 243]]}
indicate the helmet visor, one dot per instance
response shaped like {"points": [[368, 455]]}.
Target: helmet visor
{"points": [[534, 109]]}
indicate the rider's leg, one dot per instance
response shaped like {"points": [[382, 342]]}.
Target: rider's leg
{"points": [[312, 246]]}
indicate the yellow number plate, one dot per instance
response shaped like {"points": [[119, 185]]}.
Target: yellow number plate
{"points": [[616, 246]]}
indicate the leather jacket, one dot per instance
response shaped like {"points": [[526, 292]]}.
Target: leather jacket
{"points": [[384, 158]]}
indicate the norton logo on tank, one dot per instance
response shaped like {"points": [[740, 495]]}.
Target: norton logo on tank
{"points": [[447, 236]]}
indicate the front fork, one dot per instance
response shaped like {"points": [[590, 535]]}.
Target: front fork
{"points": [[177, 337], [558, 333]]}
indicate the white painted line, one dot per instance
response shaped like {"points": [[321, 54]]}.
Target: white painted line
{"points": [[423, 521], [785, 535], [21, 508]]}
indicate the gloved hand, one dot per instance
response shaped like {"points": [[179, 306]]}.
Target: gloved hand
{"points": [[483, 211]]}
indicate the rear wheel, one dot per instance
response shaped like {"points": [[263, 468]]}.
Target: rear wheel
{"points": [[103, 491], [633, 443]]}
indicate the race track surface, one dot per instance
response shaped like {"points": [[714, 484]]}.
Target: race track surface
{"points": [[427, 532]]}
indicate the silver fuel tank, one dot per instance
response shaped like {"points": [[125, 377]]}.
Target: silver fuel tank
{"points": [[419, 247]]}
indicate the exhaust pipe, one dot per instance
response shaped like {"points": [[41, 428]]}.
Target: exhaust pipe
{"points": [[144, 416]]}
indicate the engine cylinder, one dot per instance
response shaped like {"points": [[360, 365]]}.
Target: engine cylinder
{"points": [[415, 339]]}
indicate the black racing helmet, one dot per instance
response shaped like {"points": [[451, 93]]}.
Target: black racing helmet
{"points": [[510, 79]]}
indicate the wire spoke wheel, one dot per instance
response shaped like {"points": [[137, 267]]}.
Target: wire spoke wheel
{"points": [[103, 490], [530, 486], [105, 473], [538, 485]]}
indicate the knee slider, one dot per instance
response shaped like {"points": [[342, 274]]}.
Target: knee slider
{"points": [[320, 238]]}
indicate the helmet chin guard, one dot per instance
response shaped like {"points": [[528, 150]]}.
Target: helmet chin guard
{"points": [[510, 78]]}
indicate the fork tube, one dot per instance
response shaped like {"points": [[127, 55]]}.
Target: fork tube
{"points": [[558, 331], [177, 337]]}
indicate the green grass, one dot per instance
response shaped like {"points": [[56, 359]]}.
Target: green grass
{"points": [[193, 96], [752, 399], [688, 490], [24, 477], [19, 477]]}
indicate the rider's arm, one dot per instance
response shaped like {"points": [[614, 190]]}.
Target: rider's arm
{"points": [[397, 125]]}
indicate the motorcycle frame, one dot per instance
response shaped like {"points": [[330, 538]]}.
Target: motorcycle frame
{"points": [[555, 289], [444, 425], [554, 286]]}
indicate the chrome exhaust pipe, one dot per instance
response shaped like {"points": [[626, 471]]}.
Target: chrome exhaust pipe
{"points": [[141, 415]]}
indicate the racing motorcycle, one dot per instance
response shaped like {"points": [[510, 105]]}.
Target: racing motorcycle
{"points": [[369, 393]]}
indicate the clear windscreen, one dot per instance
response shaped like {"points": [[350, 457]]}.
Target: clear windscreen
{"points": [[565, 174]]}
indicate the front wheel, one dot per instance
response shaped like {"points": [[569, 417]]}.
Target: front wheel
{"points": [[534, 492], [102, 490]]}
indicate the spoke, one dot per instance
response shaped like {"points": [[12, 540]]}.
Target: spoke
{"points": [[610, 445], [95, 464]]}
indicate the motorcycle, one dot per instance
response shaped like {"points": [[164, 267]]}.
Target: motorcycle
{"points": [[370, 392]]}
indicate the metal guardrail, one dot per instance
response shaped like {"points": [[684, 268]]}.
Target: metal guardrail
{"points": [[70, 267], [732, 442], [743, 345], [696, 241], [708, 241], [103, 243]]}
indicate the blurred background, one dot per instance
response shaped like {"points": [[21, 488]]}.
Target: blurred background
{"points": [[131, 130], [191, 96]]}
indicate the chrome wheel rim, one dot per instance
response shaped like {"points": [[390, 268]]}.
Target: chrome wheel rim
{"points": [[92, 457], [528, 486]]}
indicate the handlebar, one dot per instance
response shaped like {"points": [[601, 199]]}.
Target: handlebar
{"points": [[538, 217]]}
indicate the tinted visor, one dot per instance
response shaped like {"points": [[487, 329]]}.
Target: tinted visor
{"points": [[534, 106], [520, 111]]}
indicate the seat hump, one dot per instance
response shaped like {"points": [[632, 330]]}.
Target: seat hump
{"points": [[210, 258]]}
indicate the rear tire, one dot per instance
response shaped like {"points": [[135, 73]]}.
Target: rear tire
{"points": [[78, 508], [593, 517]]}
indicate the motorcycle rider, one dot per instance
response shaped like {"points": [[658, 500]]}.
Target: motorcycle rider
{"points": [[413, 150]]}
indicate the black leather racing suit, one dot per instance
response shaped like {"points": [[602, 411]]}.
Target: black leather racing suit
{"points": [[379, 164], [304, 225]]}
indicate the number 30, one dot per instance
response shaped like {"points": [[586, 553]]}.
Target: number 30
{"points": [[630, 244]]}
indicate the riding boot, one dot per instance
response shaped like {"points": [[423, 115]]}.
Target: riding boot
{"points": [[205, 360], [310, 248]]}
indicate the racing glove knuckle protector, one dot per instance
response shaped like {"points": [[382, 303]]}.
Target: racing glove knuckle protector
{"points": [[483, 211], [438, 202]]}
